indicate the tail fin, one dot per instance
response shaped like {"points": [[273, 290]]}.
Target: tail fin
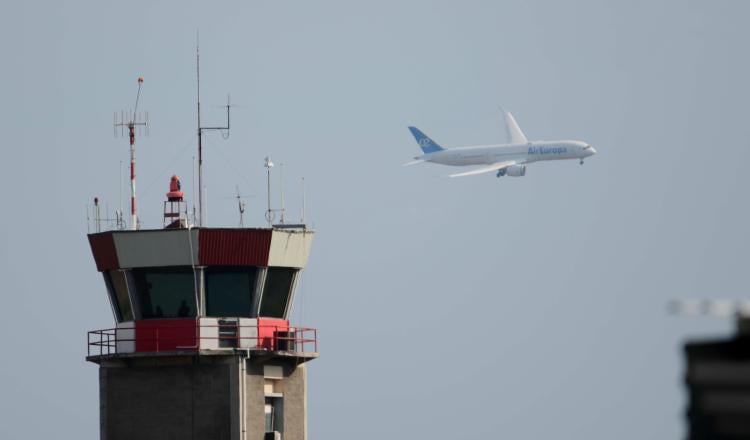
{"points": [[425, 143]]}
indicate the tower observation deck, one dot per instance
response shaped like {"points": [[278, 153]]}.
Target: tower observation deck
{"points": [[202, 346]]}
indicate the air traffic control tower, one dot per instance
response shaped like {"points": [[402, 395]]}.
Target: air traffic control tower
{"points": [[202, 347]]}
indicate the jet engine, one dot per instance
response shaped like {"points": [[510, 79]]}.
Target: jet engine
{"points": [[516, 170]]}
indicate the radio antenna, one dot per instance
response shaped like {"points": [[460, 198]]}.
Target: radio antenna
{"points": [[97, 215], [240, 206], [201, 129], [131, 122], [269, 213], [304, 202], [118, 213], [281, 192]]}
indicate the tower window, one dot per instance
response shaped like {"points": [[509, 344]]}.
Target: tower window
{"points": [[118, 289], [165, 292], [229, 291], [274, 415], [276, 291]]}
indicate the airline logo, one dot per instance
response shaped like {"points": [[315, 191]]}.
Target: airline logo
{"points": [[424, 142], [548, 150]]}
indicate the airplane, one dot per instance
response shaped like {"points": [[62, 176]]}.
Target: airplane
{"points": [[508, 159]]}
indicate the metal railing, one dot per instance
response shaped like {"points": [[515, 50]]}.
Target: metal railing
{"points": [[102, 342], [166, 338]]}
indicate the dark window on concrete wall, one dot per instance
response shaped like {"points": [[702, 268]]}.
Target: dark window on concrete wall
{"points": [[229, 291], [165, 292], [276, 291], [118, 289], [274, 415]]}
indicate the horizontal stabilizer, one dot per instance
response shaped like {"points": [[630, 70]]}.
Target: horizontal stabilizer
{"points": [[414, 162], [488, 169]]}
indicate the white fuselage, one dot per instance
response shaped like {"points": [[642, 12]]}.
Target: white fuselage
{"points": [[521, 153]]}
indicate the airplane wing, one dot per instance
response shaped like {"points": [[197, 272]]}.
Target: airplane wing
{"points": [[487, 169], [514, 131]]}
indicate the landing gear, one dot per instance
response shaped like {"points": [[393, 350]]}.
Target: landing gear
{"points": [[581, 162], [501, 172]]}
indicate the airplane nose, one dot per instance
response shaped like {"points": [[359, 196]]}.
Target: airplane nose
{"points": [[592, 151]]}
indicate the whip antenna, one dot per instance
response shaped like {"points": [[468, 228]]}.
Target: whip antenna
{"points": [[224, 130]]}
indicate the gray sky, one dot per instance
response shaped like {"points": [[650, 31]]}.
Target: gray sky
{"points": [[448, 308]]}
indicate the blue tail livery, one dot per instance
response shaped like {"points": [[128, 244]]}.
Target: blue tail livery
{"points": [[425, 143]]}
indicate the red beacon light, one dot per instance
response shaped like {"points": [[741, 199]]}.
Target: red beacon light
{"points": [[174, 210], [174, 194]]}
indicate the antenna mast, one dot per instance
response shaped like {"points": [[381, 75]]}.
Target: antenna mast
{"points": [[269, 213], [304, 202], [240, 206], [201, 210], [281, 190], [131, 123], [200, 144]]}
